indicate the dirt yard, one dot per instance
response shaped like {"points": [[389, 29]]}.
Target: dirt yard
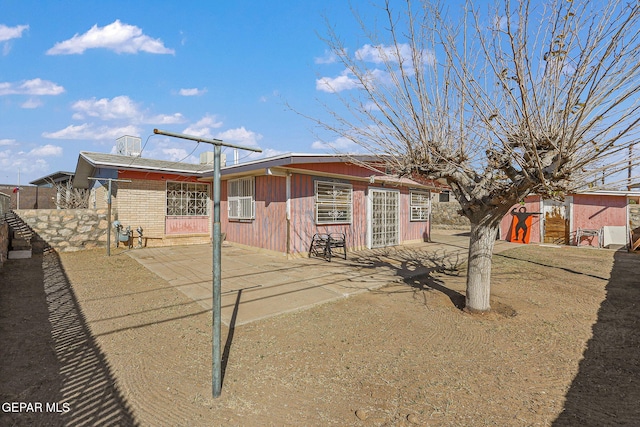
{"points": [[102, 341]]}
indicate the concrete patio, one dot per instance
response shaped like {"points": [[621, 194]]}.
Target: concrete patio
{"points": [[257, 284]]}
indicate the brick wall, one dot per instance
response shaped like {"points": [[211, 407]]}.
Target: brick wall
{"points": [[142, 203]]}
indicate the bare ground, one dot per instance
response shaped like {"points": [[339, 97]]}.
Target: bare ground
{"points": [[121, 347]]}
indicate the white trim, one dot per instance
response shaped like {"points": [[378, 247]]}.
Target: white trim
{"points": [[288, 196], [569, 204], [370, 191]]}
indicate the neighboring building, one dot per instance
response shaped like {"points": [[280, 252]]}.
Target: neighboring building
{"points": [[30, 197], [598, 218], [279, 203], [167, 199], [60, 183]]}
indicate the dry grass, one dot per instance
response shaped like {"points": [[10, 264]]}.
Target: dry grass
{"points": [[403, 355]]}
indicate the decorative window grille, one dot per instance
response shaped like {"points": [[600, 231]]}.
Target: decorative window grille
{"points": [[333, 202], [187, 199], [241, 196], [419, 206]]}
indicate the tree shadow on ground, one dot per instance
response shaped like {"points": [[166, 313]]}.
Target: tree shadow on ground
{"points": [[606, 390], [417, 267], [62, 350]]}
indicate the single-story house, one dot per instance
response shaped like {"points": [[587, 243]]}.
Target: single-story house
{"points": [[596, 218], [280, 203], [277, 204], [168, 200]]}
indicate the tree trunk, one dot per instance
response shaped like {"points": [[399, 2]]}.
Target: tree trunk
{"points": [[482, 239]]}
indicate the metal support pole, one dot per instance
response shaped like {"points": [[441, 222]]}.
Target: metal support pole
{"points": [[217, 263], [109, 207], [217, 252], [109, 220]]}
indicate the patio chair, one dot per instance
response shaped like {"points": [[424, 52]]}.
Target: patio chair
{"points": [[323, 244]]}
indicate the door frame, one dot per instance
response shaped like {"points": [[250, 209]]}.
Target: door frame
{"points": [[370, 191], [568, 206]]}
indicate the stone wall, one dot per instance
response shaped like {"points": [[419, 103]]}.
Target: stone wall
{"points": [[445, 216], [634, 216], [4, 241], [67, 230]]}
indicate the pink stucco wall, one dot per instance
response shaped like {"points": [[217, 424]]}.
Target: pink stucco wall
{"points": [[597, 211], [269, 229]]}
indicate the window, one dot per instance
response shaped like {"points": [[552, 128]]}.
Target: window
{"points": [[444, 196], [241, 197], [187, 199], [333, 202], [419, 205]]}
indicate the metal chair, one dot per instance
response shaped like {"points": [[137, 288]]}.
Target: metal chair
{"points": [[323, 244]]}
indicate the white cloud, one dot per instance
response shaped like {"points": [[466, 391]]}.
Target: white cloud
{"points": [[341, 145], [329, 57], [252, 155], [178, 155], [31, 87], [46, 150], [120, 108], [381, 54], [32, 103], [240, 136], [8, 33], [336, 84], [118, 37], [165, 119], [5, 142], [11, 162], [192, 92], [203, 127], [89, 132]]}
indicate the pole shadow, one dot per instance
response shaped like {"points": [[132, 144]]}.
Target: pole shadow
{"points": [[227, 346]]}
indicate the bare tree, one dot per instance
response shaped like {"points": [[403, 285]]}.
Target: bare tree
{"points": [[522, 97], [68, 197]]}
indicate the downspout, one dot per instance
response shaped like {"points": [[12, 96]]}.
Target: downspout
{"points": [[429, 220], [288, 212]]}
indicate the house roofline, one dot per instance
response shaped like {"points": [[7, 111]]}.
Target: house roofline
{"points": [[87, 165], [284, 171], [291, 159]]}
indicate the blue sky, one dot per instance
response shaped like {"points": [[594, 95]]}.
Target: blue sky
{"points": [[76, 75]]}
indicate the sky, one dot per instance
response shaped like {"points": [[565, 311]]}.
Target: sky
{"points": [[77, 75]]}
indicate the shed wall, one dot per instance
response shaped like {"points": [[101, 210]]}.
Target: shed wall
{"points": [[531, 204]]}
